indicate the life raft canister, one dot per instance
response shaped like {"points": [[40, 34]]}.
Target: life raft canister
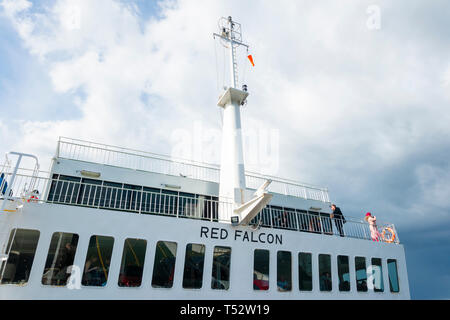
{"points": [[386, 239]]}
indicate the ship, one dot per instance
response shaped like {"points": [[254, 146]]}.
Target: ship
{"points": [[114, 223]]}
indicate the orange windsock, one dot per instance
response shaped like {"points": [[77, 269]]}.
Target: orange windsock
{"points": [[251, 59]]}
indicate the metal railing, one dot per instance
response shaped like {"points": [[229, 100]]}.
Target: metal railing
{"points": [[81, 150], [138, 200]]}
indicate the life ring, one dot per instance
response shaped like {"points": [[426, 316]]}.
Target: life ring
{"points": [[391, 231]]}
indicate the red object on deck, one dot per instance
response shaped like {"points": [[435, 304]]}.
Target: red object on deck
{"points": [[251, 59]]}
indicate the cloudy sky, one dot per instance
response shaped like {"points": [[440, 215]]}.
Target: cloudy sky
{"points": [[349, 95]]}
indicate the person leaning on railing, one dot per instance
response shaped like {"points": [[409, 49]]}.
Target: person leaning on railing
{"points": [[338, 218], [372, 220]]}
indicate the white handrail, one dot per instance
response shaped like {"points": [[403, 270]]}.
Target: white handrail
{"points": [[139, 201], [81, 150]]}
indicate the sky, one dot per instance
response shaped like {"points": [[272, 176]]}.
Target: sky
{"points": [[349, 95]]}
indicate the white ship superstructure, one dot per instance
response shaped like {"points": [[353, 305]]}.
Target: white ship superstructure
{"points": [[114, 223]]}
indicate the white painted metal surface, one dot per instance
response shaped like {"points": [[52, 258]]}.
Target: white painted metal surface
{"points": [[50, 218], [87, 151]]}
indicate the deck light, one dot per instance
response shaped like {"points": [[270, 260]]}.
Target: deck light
{"points": [[171, 186], [90, 174]]}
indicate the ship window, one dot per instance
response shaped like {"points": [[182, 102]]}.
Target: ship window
{"points": [[263, 216], [377, 275], [64, 189], [151, 200], [284, 271], [98, 258], [132, 264], [325, 272], [164, 266], [60, 258], [261, 270], [131, 197], [361, 274], [343, 273], [90, 192], [221, 268], [193, 266], [22, 243], [279, 217], [169, 201], [211, 208], [304, 220], [289, 219], [313, 220], [111, 195], [188, 206], [305, 271], [393, 275], [326, 223]]}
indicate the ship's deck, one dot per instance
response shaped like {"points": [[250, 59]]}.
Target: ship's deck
{"points": [[91, 189], [81, 150], [133, 199]]}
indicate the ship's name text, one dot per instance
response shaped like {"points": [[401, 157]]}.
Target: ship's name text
{"points": [[241, 235]]}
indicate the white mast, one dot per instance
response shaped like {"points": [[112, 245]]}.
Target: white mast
{"points": [[232, 171]]}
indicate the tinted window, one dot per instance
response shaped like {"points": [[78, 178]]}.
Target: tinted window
{"points": [[325, 272], [361, 274], [90, 191], [377, 275], [284, 271], [343, 273], [188, 205], [22, 244], [261, 270], [98, 259], [151, 200], [164, 266], [111, 195], [393, 275], [305, 271], [60, 258], [64, 189], [132, 264], [169, 202], [221, 268], [193, 266]]}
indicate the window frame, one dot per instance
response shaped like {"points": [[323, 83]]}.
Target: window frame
{"points": [[230, 249], [155, 262], [48, 252], [143, 263], [310, 271], [202, 269], [266, 251], [396, 275], [9, 246], [330, 271]]}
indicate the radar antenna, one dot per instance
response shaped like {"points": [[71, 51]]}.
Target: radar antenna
{"points": [[231, 38]]}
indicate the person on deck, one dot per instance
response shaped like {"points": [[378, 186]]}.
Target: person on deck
{"points": [[338, 218], [373, 226]]}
